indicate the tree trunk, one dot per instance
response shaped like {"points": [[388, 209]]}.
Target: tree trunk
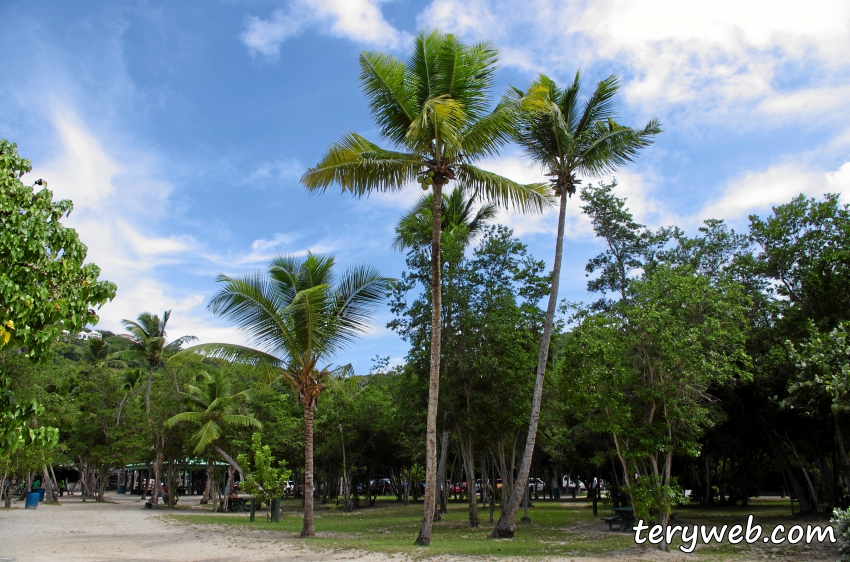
{"points": [[506, 526], [440, 504], [839, 439], [225, 501], [309, 527], [469, 468], [104, 480], [441, 475], [208, 485], [157, 472], [424, 538], [47, 484], [786, 467]]}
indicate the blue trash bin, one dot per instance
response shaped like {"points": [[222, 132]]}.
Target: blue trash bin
{"points": [[40, 492], [122, 489], [557, 493], [32, 501]]}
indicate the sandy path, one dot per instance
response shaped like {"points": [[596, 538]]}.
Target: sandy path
{"points": [[79, 531]]}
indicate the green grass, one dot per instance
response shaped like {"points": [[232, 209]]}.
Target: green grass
{"points": [[557, 529]]}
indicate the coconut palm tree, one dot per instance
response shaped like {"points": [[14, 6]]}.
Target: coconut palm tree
{"points": [[434, 110], [568, 137], [147, 345], [296, 315], [460, 221], [214, 405], [461, 224]]}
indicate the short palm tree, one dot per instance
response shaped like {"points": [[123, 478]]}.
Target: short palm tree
{"points": [[214, 406], [434, 110], [568, 137], [460, 220], [147, 345], [297, 314]]}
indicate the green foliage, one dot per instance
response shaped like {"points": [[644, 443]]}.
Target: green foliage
{"points": [[841, 520], [652, 498], [214, 406], [265, 482], [434, 108], [45, 285], [822, 371], [568, 135]]}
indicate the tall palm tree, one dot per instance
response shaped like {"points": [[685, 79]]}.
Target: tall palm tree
{"points": [[147, 345], [433, 109], [214, 405], [461, 224], [296, 315], [568, 137]]}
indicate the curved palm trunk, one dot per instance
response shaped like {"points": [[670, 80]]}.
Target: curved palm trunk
{"points": [[309, 527], [506, 526], [424, 538]]}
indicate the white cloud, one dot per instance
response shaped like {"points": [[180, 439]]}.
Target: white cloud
{"points": [[759, 191], [716, 56], [359, 20]]}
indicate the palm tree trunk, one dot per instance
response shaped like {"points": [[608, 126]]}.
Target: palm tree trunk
{"points": [[424, 538], [309, 527], [506, 526]]}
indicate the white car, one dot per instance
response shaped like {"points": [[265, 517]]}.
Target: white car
{"points": [[568, 483], [535, 485]]}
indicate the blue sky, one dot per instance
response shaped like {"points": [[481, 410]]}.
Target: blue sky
{"points": [[180, 129]]}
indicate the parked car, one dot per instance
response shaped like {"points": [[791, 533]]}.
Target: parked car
{"points": [[458, 488], [568, 482], [535, 485], [381, 486]]}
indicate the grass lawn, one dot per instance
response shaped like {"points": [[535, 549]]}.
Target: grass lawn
{"points": [[557, 529]]}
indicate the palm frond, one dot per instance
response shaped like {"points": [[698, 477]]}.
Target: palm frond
{"points": [[390, 95], [360, 166], [241, 420], [359, 291], [500, 190], [253, 303], [185, 417], [208, 433]]}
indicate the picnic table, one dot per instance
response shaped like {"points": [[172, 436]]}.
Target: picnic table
{"points": [[624, 518]]}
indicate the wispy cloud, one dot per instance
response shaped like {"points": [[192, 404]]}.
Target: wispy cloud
{"points": [[359, 20], [758, 191]]}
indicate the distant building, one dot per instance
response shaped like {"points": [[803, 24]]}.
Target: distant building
{"points": [[89, 336]]}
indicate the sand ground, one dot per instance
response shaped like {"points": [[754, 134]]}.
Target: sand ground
{"points": [[123, 530]]}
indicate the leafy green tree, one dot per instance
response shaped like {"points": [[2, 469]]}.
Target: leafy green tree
{"points": [[45, 286], [434, 109], [567, 137], [265, 482], [297, 314], [147, 345]]}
